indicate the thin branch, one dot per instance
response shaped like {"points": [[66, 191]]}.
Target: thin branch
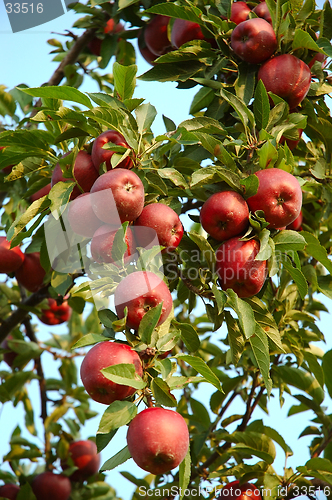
{"points": [[323, 444]]}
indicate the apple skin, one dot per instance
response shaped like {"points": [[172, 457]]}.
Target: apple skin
{"points": [[296, 225], [164, 222], [158, 439], [286, 76], [237, 269], [254, 40], [101, 356], [235, 491], [102, 244], [127, 201], [55, 314], [262, 10], [10, 356], [224, 215], [51, 486], [291, 143], [40, 193], [10, 258], [155, 35], [9, 491], [31, 273], [81, 216], [279, 195], [144, 50], [239, 12], [184, 31], [84, 455], [84, 172], [100, 155], [139, 292]]}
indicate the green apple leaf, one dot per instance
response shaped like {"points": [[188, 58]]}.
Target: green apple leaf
{"points": [[235, 338], [118, 459], [124, 374], [116, 415], [184, 474], [124, 80], [188, 12], [327, 369], [201, 367], [300, 379], [261, 106], [145, 115], [149, 323], [65, 93], [244, 313], [260, 347], [162, 394], [189, 336], [316, 250]]}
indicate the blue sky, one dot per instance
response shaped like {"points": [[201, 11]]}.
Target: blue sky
{"points": [[24, 58]]}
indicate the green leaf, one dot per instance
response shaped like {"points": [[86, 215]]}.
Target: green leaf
{"points": [[116, 415], [201, 100], [327, 369], [89, 339], [145, 115], [118, 459], [174, 176], [244, 113], [261, 106], [107, 317], [184, 474], [273, 434], [23, 219], [315, 368], [235, 338], [316, 250], [149, 323], [201, 367], [302, 40], [319, 464], [286, 241], [297, 276], [205, 247], [302, 380], [244, 312], [265, 319], [254, 443], [124, 374], [260, 347], [212, 175], [190, 13], [64, 93], [124, 80], [189, 336], [161, 393]]}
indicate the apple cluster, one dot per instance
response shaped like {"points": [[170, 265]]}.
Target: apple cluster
{"points": [[225, 217]]}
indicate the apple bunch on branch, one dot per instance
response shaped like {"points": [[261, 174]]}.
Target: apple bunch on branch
{"points": [[211, 240]]}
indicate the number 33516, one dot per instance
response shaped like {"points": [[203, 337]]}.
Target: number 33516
{"points": [[24, 8]]}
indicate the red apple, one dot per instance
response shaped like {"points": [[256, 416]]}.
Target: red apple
{"points": [[184, 31], [10, 258], [291, 143], [239, 12], [279, 195], [40, 193], [84, 174], [164, 223], [237, 268], [262, 10], [10, 355], [118, 195], [31, 273], [139, 292], [50, 486], [254, 40], [100, 155], [102, 244], [9, 491], [110, 29], [84, 455], [101, 356], [55, 314], [158, 439], [286, 76], [156, 37], [296, 225], [81, 216], [235, 491], [144, 50], [225, 215]]}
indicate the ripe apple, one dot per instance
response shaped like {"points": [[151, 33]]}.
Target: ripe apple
{"points": [[239, 12], [291, 143], [286, 76], [100, 155], [184, 31], [10, 355], [110, 29], [50, 486], [224, 215], [102, 244], [296, 225], [262, 10], [158, 439], [81, 216], [155, 35], [279, 195], [84, 455], [163, 221], [40, 193], [237, 268], [84, 174], [254, 40], [55, 314], [144, 50], [139, 292], [120, 196], [10, 258], [101, 356], [31, 273], [235, 491], [9, 491]]}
